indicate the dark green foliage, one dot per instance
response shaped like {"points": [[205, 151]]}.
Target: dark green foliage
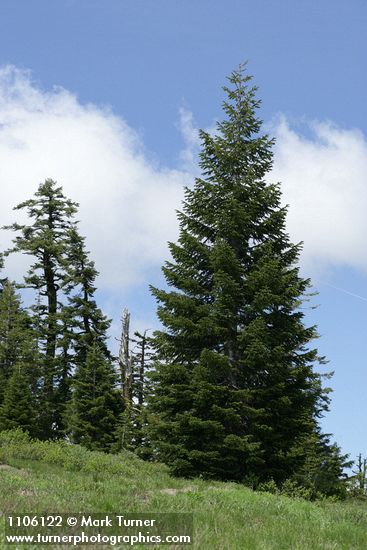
{"points": [[17, 340], [18, 407], [65, 316], [96, 405], [19, 373], [45, 239], [96, 402], [236, 389], [15, 330], [90, 324], [321, 474], [87, 323], [323, 468]]}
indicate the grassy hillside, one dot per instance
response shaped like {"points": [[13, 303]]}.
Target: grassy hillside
{"points": [[43, 477]]}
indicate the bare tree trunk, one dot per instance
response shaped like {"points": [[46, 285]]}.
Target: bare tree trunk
{"points": [[125, 361], [142, 371]]}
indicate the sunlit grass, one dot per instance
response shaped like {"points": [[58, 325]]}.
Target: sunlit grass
{"points": [[54, 477]]}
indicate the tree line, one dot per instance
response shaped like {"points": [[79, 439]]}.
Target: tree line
{"points": [[228, 387]]}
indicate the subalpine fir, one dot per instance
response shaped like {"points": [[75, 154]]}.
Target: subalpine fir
{"points": [[235, 385], [65, 315]]}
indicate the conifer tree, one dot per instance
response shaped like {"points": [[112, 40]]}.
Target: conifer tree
{"points": [[18, 408], [65, 314], [17, 339], [96, 405], [90, 324], [45, 240], [96, 402], [323, 466], [235, 386], [84, 322], [19, 372]]}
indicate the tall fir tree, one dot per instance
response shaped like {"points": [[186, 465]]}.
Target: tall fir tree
{"points": [[235, 387], [45, 240], [66, 317]]}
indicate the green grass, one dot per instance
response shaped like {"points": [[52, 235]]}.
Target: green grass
{"points": [[53, 477]]}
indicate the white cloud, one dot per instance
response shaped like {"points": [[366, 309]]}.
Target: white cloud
{"points": [[127, 204], [324, 181]]}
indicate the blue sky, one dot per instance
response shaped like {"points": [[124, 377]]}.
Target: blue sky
{"points": [[106, 97]]}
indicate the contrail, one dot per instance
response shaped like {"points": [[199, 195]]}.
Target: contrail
{"points": [[345, 291]]}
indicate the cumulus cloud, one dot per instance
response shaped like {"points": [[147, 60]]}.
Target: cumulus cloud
{"points": [[324, 181], [127, 203]]}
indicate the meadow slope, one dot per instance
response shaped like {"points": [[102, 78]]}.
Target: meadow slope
{"points": [[43, 477]]}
